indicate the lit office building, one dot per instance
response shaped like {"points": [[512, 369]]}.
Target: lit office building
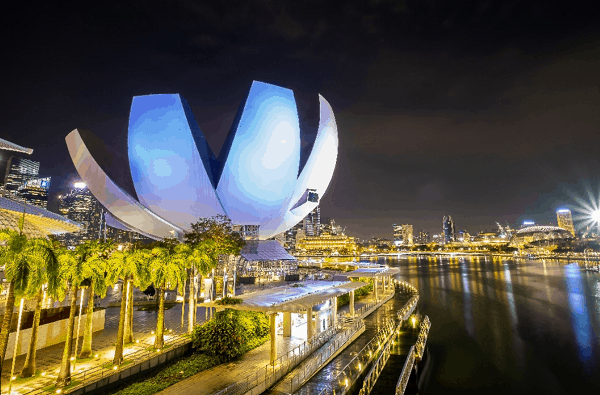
{"points": [[422, 237], [19, 171], [35, 191], [565, 220], [79, 205], [448, 227], [403, 235], [312, 222], [327, 243]]}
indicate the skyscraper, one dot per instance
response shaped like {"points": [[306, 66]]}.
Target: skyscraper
{"points": [[79, 205], [35, 191], [448, 227], [312, 222], [422, 237], [565, 220], [403, 234], [18, 171]]}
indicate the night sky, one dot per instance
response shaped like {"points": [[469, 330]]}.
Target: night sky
{"points": [[483, 110]]}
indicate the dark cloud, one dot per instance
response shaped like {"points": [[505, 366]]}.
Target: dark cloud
{"points": [[477, 109]]}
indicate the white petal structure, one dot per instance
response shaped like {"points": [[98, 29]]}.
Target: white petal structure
{"points": [[168, 171], [178, 180]]}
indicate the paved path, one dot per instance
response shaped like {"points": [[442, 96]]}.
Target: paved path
{"points": [[49, 358], [219, 377]]}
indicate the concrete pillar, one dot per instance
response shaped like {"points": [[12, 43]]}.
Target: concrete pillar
{"points": [[375, 286], [287, 324], [334, 311], [309, 323], [273, 322], [352, 304]]}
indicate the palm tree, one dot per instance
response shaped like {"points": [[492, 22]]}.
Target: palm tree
{"points": [[133, 268], [45, 279], [18, 255], [95, 273], [165, 270], [75, 267]]}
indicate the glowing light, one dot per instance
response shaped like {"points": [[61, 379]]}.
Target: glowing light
{"points": [[414, 320], [58, 391], [96, 356], [115, 367], [72, 358], [43, 373], [13, 378], [79, 185]]}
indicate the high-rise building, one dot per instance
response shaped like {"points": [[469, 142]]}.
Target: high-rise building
{"points": [[565, 220], [448, 228], [19, 171], [422, 237], [81, 206], [403, 235], [312, 222], [35, 191]]}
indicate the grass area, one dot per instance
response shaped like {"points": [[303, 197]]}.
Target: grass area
{"points": [[19, 379], [152, 349], [177, 371], [110, 365]]}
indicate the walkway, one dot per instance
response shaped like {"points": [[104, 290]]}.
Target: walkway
{"points": [[373, 323], [219, 377], [49, 358]]}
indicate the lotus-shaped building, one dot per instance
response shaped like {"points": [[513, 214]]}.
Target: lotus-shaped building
{"points": [[270, 172]]}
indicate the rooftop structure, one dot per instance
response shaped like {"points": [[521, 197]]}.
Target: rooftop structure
{"points": [[540, 235], [270, 171], [38, 221], [8, 146]]}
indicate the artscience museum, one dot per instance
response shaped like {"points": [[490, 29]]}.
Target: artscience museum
{"points": [[271, 171]]}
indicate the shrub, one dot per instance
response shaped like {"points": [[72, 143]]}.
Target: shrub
{"points": [[228, 300], [229, 333]]}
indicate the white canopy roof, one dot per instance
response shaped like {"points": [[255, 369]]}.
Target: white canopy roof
{"points": [[372, 272], [292, 298]]}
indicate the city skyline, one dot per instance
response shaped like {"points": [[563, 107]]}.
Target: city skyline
{"points": [[444, 109]]}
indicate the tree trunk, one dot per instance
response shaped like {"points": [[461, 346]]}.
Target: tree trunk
{"points": [[64, 377], [183, 303], [86, 347], [29, 366], [7, 321], [129, 323], [191, 303], [159, 339], [118, 359]]}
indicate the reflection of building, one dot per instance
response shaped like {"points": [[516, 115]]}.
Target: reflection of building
{"points": [[565, 220], [312, 222], [422, 237], [270, 171], [403, 235], [327, 243], [448, 227]]}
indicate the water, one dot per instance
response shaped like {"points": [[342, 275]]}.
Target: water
{"points": [[504, 326]]}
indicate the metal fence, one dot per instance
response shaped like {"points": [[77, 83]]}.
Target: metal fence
{"points": [[272, 373], [373, 375], [98, 373], [406, 369]]}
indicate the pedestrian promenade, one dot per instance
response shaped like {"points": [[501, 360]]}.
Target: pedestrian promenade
{"points": [[220, 377]]}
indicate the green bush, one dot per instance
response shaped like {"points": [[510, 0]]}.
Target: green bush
{"points": [[358, 293], [228, 300], [230, 332]]}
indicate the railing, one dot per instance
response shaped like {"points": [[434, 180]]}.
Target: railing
{"points": [[422, 339], [342, 380], [373, 375], [319, 358], [385, 297], [405, 312], [414, 355], [406, 369], [272, 373], [98, 373]]}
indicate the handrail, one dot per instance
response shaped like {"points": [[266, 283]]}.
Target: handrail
{"points": [[409, 307], [406, 369], [373, 375], [316, 360], [271, 373]]}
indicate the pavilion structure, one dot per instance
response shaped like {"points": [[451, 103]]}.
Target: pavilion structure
{"points": [[314, 302], [379, 274], [38, 221]]}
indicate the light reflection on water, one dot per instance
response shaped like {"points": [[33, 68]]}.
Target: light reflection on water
{"points": [[507, 326]]}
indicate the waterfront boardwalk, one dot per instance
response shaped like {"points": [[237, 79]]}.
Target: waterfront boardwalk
{"points": [[220, 377], [388, 378], [373, 323]]}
